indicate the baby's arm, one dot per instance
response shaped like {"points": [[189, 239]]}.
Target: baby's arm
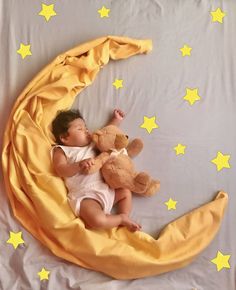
{"points": [[65, 169], [117, 117]]}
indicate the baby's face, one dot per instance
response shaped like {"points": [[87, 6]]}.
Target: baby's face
{"points": [[78, 134]]}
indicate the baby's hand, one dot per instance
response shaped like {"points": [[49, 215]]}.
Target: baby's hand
{"points": [[86, 164], [118, 114]]}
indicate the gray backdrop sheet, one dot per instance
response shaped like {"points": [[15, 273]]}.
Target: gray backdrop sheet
{"points": [[154, 85]]}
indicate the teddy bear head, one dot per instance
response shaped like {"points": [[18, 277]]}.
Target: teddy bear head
{"points": [[110, 137]]}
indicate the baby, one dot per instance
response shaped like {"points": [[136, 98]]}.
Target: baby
{"points": [[89, 196]]}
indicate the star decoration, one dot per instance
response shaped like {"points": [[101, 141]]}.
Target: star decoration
{"points": [[191, 96], [171, 204], [186, 50], [15, 239], [217, 15], [118, 84], [24, 50], [221, 261], [180, 149], [221, 161], [149, 124], [47, 11], [43, 274], [104, 12]]}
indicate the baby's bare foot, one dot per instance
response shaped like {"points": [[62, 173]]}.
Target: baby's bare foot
{"points": [[131, 225]]}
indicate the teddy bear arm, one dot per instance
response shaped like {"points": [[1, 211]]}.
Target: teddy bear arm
{"points": [[134, 147]]}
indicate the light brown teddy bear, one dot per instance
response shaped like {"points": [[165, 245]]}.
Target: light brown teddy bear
{"points": [[119, 170]]}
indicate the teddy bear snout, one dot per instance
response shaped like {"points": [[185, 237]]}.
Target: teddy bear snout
{"points": [[121, 141]]}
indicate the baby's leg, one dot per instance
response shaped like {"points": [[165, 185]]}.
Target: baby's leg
{"points": [[123, 199], [94, 217]]}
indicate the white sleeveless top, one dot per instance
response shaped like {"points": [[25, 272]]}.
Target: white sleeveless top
{"points": [[80, 182]]}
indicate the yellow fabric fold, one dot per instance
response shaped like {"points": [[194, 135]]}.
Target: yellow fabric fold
{"points": [[38, 197]]}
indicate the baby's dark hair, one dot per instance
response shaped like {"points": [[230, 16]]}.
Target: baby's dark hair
{"points": [[60, 124]]}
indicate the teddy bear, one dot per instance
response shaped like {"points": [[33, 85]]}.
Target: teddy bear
{"points": [[115, 163]]}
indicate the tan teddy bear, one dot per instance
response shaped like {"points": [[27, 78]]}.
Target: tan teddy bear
{"points": [[119, 170]]}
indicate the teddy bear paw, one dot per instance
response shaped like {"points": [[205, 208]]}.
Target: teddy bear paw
{"points": [[152, 188], [141, 182]]}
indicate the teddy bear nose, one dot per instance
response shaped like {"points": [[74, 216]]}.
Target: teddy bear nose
{"points": [[127, 136]]}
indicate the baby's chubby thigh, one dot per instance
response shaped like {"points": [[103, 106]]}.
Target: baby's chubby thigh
{"points": [[91, 213]]}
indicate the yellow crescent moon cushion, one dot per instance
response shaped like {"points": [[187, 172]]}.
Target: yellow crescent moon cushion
{"points": [[38, 197]]}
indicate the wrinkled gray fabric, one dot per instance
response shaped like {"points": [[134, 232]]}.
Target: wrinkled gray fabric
{"points": [[154, 85]]}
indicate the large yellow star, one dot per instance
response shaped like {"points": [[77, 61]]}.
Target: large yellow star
{"points": [[104, 12], [15, 239], [186, 50], [118, 84], [149, 124], [191, 96], [43, 274], [221, 261], [171, 204], [24, 50], [180, 149], [218, 15], [47, 11], [221, 161]]}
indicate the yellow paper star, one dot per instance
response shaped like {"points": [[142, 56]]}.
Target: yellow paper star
{"points": [[24, 50], [43, 274], [217, 15], [47, 11], [104, 12], [221, 261], [180, 149], [171, 204], [191, 96], [118, 84], [186, 50], [15, 239], [149, 124], [221, 161]]}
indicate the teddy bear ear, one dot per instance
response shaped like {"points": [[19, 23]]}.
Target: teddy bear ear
{"points": [[95, 138], [99, 132]]}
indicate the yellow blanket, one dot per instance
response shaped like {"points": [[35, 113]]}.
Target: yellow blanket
{"points": [[38, 197]]}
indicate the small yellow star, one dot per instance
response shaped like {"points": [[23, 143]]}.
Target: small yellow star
{"points": [[186, 50], [171, 204], [47, 11], [180, 149], [24, 50], [221, 161], [191, 96], [118, 84], [43, 274], [104, 12], [15, 239], [149, 124], [218, 15], [221, 261]]}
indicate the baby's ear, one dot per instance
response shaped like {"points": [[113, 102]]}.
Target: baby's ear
{"points": [[63, 138]]}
